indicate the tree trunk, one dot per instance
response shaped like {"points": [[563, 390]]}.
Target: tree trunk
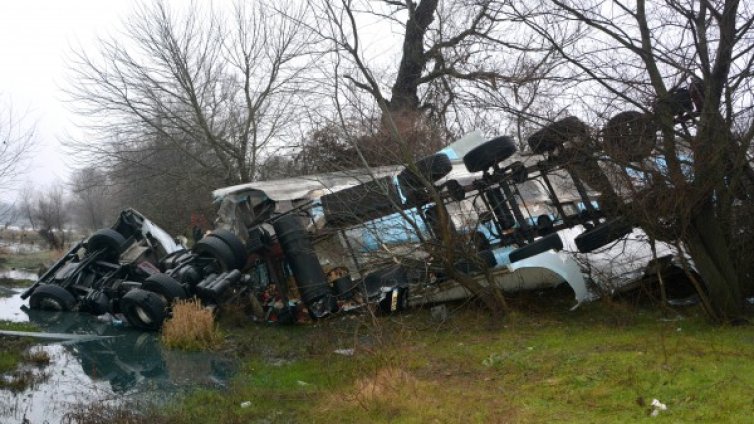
{"points": [[707, 246], [404, 96]]}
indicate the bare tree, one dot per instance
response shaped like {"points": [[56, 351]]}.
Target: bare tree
{"points": [[9, 214], [447, 50], [451, 53], [47, 212], [93, 201], [214, 88], [16, 144], [683, 69]]}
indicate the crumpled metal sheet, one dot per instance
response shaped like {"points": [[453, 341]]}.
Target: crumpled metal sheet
{"points": [[308, 186]]}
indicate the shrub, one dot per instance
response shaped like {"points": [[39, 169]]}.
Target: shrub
{"points": [[192, 327]]}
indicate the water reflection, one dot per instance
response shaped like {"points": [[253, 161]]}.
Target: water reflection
{"points": [[130, 365], [131, 358], [11, 304]]}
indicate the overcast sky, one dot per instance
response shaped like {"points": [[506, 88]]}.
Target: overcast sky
{"points": [[35, 38]]}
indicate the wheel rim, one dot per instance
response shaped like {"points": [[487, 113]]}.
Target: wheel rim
{"points": [[143, 315], [51, 304]]}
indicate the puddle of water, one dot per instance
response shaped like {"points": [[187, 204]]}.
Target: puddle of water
{"points": [[132, 366], [10, 305]]}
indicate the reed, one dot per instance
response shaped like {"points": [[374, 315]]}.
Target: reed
{"points": [[192, 327]]}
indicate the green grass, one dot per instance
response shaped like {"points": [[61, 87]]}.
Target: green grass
{"points": [[14, 283], [31, 261], [12, 348], [18, 326], [602, 363]]}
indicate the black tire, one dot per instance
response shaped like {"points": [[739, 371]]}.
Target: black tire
{"points": [[235, 244], [553, 136], [629, 136], [364, 202], [549, 242], [108, 239], [52, 298], [165, 286], [143, 309], [602, 234], [430, 168], [217, 249], [489, 153]]}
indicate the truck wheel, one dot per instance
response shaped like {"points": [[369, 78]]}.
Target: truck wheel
{"points": [[430, 168], [602, 235], [234, 243], [217, 249], [52, 298], [629, 136], [544, 244], [143, 309], [108, 239], [165, 286], [554, 135], [489, 153]]}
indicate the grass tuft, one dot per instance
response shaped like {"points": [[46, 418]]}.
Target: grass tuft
{"points": [[103, 413], [38, 357], [192, 327]]}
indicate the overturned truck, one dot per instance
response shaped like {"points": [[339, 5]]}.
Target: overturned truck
{"points": [[474, 215], [516, 221], [136, 269]]}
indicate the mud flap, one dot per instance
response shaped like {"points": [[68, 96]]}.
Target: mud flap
{"points": [[394, 300]]}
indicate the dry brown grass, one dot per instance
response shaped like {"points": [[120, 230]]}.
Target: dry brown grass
{"points": [[385, 385], [37, 356], [101, 413], [192, 327]]}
